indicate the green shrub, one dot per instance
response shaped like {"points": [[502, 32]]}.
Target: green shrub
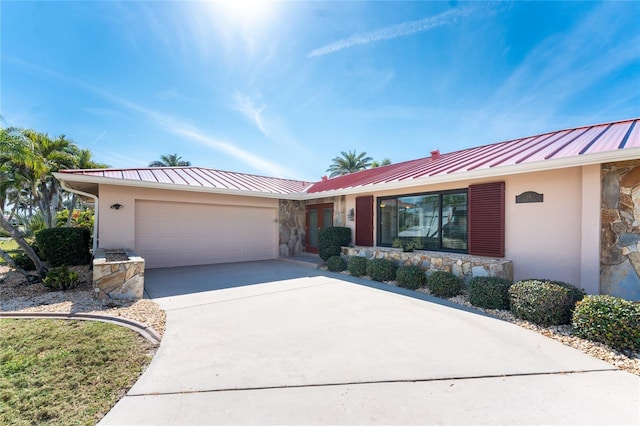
{"points": [[61, 279], [489, 292], [444, 284], [407, 244], [331, 239], [544, 302], [411, 277], [610, 320], [357, 266], [22, 260], [64, 246], [336, 264], [79, 218], [381, 270]]}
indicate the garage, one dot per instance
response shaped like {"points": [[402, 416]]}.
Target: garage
{"points": [[180, 234]]}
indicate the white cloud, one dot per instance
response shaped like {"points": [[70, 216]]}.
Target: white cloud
{"points": [[250, 109], [394, 31], [172, 124], [558, 70]]}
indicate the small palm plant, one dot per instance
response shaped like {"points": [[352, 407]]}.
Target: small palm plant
{"points": [[171, 160]]}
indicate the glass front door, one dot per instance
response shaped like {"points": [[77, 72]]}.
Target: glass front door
{"points": [[318, 216]]}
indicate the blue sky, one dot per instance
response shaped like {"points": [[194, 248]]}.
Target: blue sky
{"points": [[281, 88]]}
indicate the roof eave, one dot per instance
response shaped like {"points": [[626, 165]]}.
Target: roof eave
{"points": [[69, 177], [493, 172]]}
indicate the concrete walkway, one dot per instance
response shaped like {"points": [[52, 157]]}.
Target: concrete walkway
{"points": [[277, 343]]}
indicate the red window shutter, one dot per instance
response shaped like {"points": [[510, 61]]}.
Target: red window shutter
{"points": [[486, 219], [364, 221]]}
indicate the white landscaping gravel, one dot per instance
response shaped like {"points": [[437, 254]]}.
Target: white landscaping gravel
{"points": [[18, 296]]}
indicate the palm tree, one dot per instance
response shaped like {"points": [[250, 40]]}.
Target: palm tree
{"points": [[171, 160], [349, 163], [384, 162], [52, 155], [83, 160], [17, 161]]}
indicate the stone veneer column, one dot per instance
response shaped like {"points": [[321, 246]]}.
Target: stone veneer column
{"points": [[620, 232], [291, 229]]}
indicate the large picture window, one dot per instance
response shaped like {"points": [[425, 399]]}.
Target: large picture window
{"points": [[438, 221]]}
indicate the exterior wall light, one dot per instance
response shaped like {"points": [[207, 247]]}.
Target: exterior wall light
{"points": [[351, 214], [116, 206]]}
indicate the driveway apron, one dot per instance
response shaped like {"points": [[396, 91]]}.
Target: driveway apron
{"points": [[276, 343]]}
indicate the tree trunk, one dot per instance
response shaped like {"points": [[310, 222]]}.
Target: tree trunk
{"points": [[72, 207], [13, 265], [41, 270]]}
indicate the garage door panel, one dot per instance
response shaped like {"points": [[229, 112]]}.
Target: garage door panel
{"points": [[176, 234]]}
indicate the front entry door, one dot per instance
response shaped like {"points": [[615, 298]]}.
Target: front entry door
{"points": [[318, 216]]}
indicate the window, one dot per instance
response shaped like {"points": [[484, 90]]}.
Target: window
{"points": [[437, 220]]}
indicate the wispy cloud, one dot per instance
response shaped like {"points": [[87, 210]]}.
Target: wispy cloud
{"points": [[172, 124], [400, 30], [251, 110], [271, 125], [252, 160], [559, 69]]}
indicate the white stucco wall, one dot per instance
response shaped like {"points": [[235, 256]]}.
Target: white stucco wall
{"points": [[116, 228], [543, 239], [590, 232], [556, 239]]}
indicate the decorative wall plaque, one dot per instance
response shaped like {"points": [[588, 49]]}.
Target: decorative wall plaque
{"points": [[529, 197]]}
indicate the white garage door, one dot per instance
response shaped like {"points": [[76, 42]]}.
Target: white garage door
{"points": [[180, 234]]}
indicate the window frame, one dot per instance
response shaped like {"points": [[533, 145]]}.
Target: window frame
{"points": [[440, 194]]}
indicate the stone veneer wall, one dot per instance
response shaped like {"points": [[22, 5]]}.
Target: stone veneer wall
{"points": [[292, 220], [620, 231], [291, 225], [118, 279], [462, 265]]}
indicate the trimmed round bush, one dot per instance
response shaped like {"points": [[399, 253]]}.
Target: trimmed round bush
{"points": [[411, 277], [544, 302], [381, 270], [444, 284], [610, 320], [357, 266], [336, 264], [65, 246], [331, 239], [489, 292]]}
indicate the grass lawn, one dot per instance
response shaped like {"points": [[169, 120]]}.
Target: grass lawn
{"points": [[66, 372], [7, 245]]}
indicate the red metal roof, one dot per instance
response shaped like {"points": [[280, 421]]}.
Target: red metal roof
{"points": [[564, 144], [200, 177], [571, 145]]}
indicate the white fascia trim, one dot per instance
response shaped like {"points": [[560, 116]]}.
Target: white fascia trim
{"points": [[495, 172]]}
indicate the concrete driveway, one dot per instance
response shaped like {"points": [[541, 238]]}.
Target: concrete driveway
{"points": [[277, 343]]}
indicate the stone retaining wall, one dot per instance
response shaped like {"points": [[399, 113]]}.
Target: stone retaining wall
{"points": [[462, 265], [122, 279]]}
